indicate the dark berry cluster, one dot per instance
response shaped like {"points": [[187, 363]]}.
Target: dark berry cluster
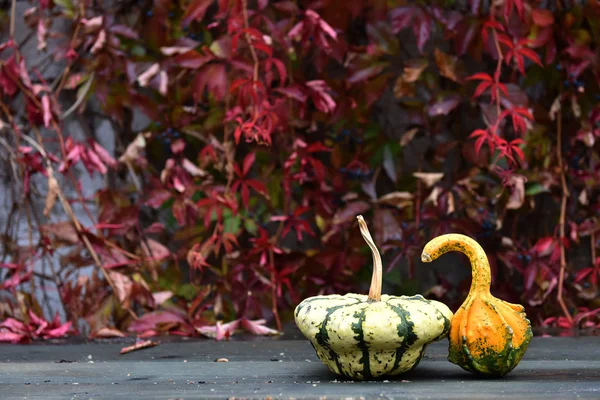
{"points": [[197, 36], [357, 173], [487, 228], [525, 258], [346, 134], [168, 135]]}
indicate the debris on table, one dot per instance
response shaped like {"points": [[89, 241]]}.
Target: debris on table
{"points": [[139, 345]]}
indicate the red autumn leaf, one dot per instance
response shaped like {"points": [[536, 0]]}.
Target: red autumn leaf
{"points": [[257, 327], [482, 136], [509, 5], [294, 221], [518, 116], [219, 331], [195, 11], [319, 93], [518, 52], [401, 18], [151, 320], [490, 24], [192, 59], [313, 29], [543, 247], [487, 83], [212, 78], [444, 105], [244, 184], [295, 92], [507, 149], [542, 17], [263, 245], [14, 338], [422, 29]]}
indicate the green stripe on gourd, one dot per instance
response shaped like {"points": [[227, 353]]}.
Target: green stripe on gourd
{"points": [[365, 337]]}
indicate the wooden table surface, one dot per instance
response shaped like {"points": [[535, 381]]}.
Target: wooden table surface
{"points": [[553, 368]]}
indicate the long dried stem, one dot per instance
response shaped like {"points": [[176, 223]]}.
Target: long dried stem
{"points": [[376, 279], [563, 210]]}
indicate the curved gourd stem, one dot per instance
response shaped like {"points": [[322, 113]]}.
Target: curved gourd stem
{"points": [[375, 290], [455, 242]]}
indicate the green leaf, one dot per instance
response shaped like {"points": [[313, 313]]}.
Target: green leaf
{"points": [[531, 189], [251, 226], [231, 224], [67, 5], [187, 291]]}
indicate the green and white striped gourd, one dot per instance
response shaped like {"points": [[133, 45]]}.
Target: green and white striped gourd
{"points": [[364, 337]]}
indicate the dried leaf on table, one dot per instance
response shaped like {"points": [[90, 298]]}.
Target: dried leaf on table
{"points": [[139, 346]]}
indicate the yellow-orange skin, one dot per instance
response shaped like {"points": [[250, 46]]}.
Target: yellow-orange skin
{"points": [[488, 336]]}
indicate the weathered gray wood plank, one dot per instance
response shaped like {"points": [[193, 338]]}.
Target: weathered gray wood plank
{"points": [[552, 368]]}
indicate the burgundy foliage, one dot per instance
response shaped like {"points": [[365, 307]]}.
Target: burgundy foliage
{"points": [[270, 126]]}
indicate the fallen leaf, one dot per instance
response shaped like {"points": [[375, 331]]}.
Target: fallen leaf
{"points": [[434, 195], [219, 331], [150, 320], [169, 51], [106, 332], [554, 108], [429, 178], [14, 338], [403, 88], [145, 78], [139, 346], [517, 195], [257, 327], [134, 149], [583, 197], [448, 66], [161, 297], [155, 250], [192, 168], [163, 82], [52, 195], [408, 136], [450, 209], [389, 164], [99, 43], [349, 212], [386, 226], [396, 199], [413, 69]]}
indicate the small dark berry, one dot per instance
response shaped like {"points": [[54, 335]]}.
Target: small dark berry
{"points": [[149, 13], [528, 257]]}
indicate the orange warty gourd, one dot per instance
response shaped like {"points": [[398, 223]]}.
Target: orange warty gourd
{"points": [[488, 336]]}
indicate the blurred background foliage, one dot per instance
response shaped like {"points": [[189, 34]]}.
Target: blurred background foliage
{"points": [[196, 167]]}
